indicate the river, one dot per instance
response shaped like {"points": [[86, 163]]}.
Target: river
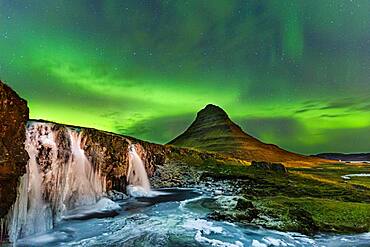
{"points": [[174, 217]]}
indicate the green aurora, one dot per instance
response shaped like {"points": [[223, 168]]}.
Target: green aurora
{"points": [[293, 73]]}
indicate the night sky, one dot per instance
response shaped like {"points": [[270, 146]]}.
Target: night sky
{"points": [[293, 73]]}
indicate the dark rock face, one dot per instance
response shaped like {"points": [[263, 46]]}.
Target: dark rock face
{"points": [[277, 167], [234, 209], [214, 131], [13, 156], [109, 153]]}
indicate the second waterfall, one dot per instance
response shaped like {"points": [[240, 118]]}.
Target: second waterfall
{"points": [[137, 177]]}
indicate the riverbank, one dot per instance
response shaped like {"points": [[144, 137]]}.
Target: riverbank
{"points": [[308, 200]]}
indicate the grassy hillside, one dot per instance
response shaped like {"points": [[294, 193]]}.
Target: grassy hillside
{"points": [[308, 199]]}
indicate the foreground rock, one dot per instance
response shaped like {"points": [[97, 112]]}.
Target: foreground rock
{"points": [[235, 209], [13, 156], [277, 167], [242, 210]]}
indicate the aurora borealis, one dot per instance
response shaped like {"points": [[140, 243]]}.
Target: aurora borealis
{"points": [[293, 73]]}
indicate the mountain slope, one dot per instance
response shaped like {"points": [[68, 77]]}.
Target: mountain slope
{"points": [[213, 130], [345, 157]]}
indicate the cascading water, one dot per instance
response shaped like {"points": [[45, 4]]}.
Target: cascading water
{"points": [[137, 177], [59, 179], [84, 185]]}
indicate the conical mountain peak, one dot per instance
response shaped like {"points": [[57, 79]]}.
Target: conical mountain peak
{"points": [[213, 130], [212, 110], [211, 116]]}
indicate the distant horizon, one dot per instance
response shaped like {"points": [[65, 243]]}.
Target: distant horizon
{"points": [[292, 73]]}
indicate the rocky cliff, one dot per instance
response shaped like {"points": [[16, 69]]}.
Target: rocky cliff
{"points": [[13, 156], [166, 165], [107, 152], [110, 152]]}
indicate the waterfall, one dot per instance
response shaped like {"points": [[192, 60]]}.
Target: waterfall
{"points": [[59, 179], [84, 185], [136, 176]]}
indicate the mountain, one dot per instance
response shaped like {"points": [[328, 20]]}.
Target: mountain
{"points": [[213, 130], [345, 157]]}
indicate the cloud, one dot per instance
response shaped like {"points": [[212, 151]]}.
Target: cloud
{"points": [[333, 115], [330, 107], [341, 103], [309, 105]]}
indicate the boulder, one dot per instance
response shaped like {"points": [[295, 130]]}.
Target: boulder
{"points": [[234, 209], [263, 165]]}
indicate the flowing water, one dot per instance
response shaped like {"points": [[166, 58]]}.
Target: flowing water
{"points": [[61, 203], [175, 217], [137, 178], [348, 176]]}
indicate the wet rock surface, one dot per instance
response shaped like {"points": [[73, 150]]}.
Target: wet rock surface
{"points": [[234, 209], [116, 195], [107, 152], [175, 174], [13, 156]]}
